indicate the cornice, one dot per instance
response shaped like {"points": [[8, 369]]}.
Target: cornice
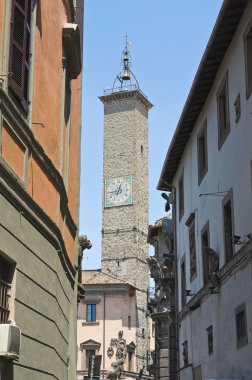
{"points": [[120, 95], [15, 119], [238, 261], [106, 288]]}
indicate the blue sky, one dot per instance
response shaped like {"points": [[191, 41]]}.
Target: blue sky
{"points": [[168, 40]]}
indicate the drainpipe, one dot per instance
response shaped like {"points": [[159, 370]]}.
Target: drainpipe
{"points": [[104, 319], [174, 217]]}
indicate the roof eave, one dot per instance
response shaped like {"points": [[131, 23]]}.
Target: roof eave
{"points": [[167, 174]]}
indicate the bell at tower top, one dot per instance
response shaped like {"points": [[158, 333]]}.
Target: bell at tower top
{"points": [[125, 78], [125, 84]]}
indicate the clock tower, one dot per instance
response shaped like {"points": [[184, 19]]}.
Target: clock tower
{"points": [[125, 191]]}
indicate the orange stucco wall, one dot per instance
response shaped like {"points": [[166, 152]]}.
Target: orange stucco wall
{"points": [[48, 76], [73, 152], [69, 243], [13, 151], [61, 222], [47, 108], [47, 102], [42, 189]]}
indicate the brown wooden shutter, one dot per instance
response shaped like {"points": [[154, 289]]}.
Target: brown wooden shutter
{"points": [[19, 48]]}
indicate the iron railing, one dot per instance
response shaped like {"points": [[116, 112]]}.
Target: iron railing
{"points": [[4, 301], [130, 87]]}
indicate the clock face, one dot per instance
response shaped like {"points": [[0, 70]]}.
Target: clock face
{"points": [[118, 191]]}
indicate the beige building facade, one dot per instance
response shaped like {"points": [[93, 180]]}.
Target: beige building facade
{"points": [[109, 307]]}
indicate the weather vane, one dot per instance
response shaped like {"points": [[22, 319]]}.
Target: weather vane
{"points": [[127, 42]]}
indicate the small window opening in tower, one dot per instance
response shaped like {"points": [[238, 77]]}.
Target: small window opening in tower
{"points": [[141, 149], [118, 263]]}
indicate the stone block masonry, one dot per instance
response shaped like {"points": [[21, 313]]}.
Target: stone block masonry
{"points": [[124, 234]]}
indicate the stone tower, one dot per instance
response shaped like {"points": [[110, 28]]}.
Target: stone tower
{"points": [[125, 191]]}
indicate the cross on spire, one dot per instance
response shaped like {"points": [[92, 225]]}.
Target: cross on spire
{"points": [[127, 42]]}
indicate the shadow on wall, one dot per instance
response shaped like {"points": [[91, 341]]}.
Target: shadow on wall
{"points": [[39, 18]]}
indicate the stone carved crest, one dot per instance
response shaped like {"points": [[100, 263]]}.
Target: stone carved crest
{"points": [[84, 243], [155, 268], [121, 352], [213, 259]]}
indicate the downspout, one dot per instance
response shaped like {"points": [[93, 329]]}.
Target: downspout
{"points": [[174, 213], [104, 319]]}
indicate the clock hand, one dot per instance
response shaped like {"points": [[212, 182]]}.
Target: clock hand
{"points": [[119, 189]]}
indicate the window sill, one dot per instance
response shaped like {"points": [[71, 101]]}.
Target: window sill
{"points": [[202, 175], [96, 323], [242, 342], [248, 92], [223, 136]]}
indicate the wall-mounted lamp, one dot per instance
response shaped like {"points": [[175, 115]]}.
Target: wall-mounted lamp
{"points": [[237, 239], [188, 293], [167, 204]]}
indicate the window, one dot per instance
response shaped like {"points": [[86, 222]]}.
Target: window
{"points": [[153, 329], [67, 110], [19, 59], [88, 349], [6, 275], [181, 196], [248, 59], [192, 248], [237, 105], [130, 353], [205, 255], [67, 105], [91, 312], [228, 227], [89, 353], [129, 322], [223, 112], [210, 339], [197, 373], [183, 283], [185, 352], [241, 326], [4, 301], [202, 153]]}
